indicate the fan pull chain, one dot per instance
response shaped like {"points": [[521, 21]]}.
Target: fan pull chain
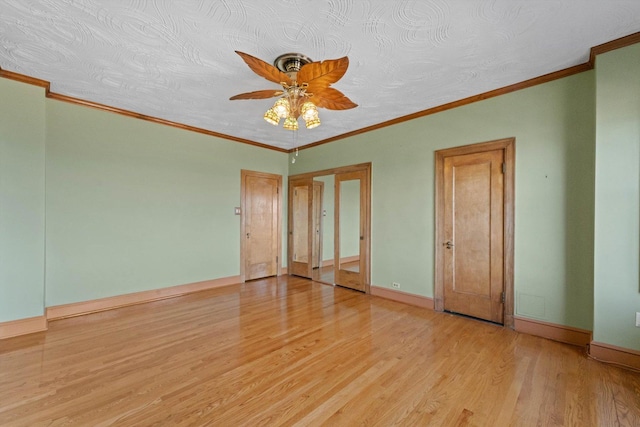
{"points": [[294, 137]]}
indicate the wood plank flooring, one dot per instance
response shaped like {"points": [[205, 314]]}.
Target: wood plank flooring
{"points": [[289, 351]]}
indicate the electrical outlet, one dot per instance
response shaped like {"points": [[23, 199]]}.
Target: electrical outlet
{"points": [[396, 285], [638, 319]]}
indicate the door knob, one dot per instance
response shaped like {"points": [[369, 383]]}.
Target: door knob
{"points": [[449, 245]]}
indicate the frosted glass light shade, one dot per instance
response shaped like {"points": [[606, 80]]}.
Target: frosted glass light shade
{"points": [[290, 123], [309, 111], [281, 107], [272, 117], [312, 123]]}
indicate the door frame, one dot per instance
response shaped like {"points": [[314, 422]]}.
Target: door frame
{"points": [[243, 220], [509, 148], [366, 256]]}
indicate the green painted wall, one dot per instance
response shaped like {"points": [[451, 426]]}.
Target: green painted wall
{"points": [[133, 205], [553, 124], [617, 213], [22, 209]]}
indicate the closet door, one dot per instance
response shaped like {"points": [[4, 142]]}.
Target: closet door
{"points": [[301, 227], [318, 194], [351, 236]]}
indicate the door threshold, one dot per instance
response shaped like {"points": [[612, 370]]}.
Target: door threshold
{"points": [[474, 318], [351, 289]]}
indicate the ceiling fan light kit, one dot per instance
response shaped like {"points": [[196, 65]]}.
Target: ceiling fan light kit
{"points": [[305, 88]]}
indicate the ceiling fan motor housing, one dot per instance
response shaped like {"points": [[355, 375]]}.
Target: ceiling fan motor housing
{"points": [[290, 63]]}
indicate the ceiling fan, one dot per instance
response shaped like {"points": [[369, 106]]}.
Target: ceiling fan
{"points": [[306, 86]]}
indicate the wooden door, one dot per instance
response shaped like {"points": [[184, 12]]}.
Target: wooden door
{"points": [[475, 230], [260, 224], [350, 229], [473, 234]]}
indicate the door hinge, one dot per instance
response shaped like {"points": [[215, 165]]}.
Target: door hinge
{"points": [[502, 297], [276, 260], [504, 168]]}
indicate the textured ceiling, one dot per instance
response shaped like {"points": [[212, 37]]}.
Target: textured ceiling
{"points": [[175, 60]]}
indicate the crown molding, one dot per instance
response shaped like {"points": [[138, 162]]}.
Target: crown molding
{"points": [[25, 79], [613, 45], [589, 65], [83, 102], [78, 101], [459, 103]]}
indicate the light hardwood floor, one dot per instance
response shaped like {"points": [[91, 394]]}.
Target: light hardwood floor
{"points": [[289, 351]]}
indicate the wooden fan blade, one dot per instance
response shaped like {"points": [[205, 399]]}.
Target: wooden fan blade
{"points": [[258, 94], [263, 69], [332, 99], [323, 74]]}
